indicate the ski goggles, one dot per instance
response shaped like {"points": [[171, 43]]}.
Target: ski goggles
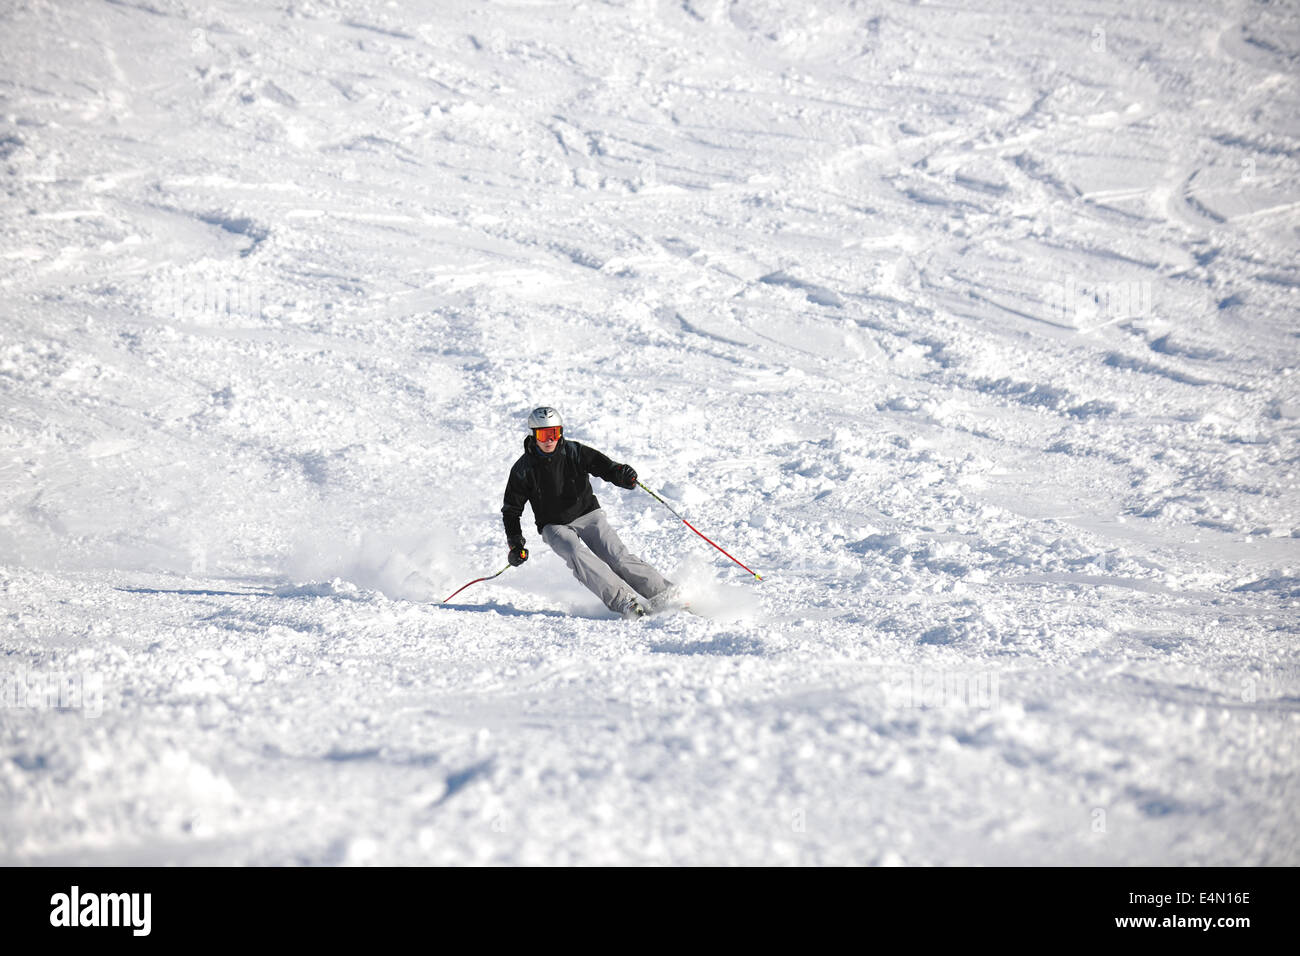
{"points": [[548, 434]]}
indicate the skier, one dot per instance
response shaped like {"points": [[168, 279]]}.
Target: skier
{"points": [[552, 476]]}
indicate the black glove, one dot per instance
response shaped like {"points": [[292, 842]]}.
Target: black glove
{"points": [[518, 556], [625, 476]]}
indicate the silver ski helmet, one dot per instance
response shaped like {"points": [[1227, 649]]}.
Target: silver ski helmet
{"points": [[544, 417], [546, 424]]}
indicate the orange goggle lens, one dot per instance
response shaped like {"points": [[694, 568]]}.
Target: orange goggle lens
{"points": [[547, 434]]}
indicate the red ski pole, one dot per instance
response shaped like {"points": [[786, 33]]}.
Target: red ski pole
{"points": [[477, 580], [693, 528]]}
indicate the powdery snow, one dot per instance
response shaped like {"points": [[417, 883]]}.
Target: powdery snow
{"points": [[971, 328]]}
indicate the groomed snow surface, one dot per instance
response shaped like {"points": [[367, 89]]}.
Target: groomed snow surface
{"points": [[972, 327]]}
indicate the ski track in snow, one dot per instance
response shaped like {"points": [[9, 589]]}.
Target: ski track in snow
{"points": [[973, 330]]}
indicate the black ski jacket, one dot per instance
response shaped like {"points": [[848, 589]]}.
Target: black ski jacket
{"points": [[556, 485]]}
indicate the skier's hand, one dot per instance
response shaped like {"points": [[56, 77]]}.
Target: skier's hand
{"points": [[625, 476], [518, 556]]}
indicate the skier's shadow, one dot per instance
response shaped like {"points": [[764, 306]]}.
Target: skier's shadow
{"points": [[494, 606], [511, 611], [202, 592]]}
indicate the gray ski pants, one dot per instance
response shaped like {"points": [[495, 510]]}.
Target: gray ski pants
{"points": [[605, 566]]}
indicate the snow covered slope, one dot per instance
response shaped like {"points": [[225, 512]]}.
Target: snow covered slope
{"points": [[973, 327]]}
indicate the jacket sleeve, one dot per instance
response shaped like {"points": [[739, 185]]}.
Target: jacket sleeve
{"points": [[512, 507], [595, 463]]}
